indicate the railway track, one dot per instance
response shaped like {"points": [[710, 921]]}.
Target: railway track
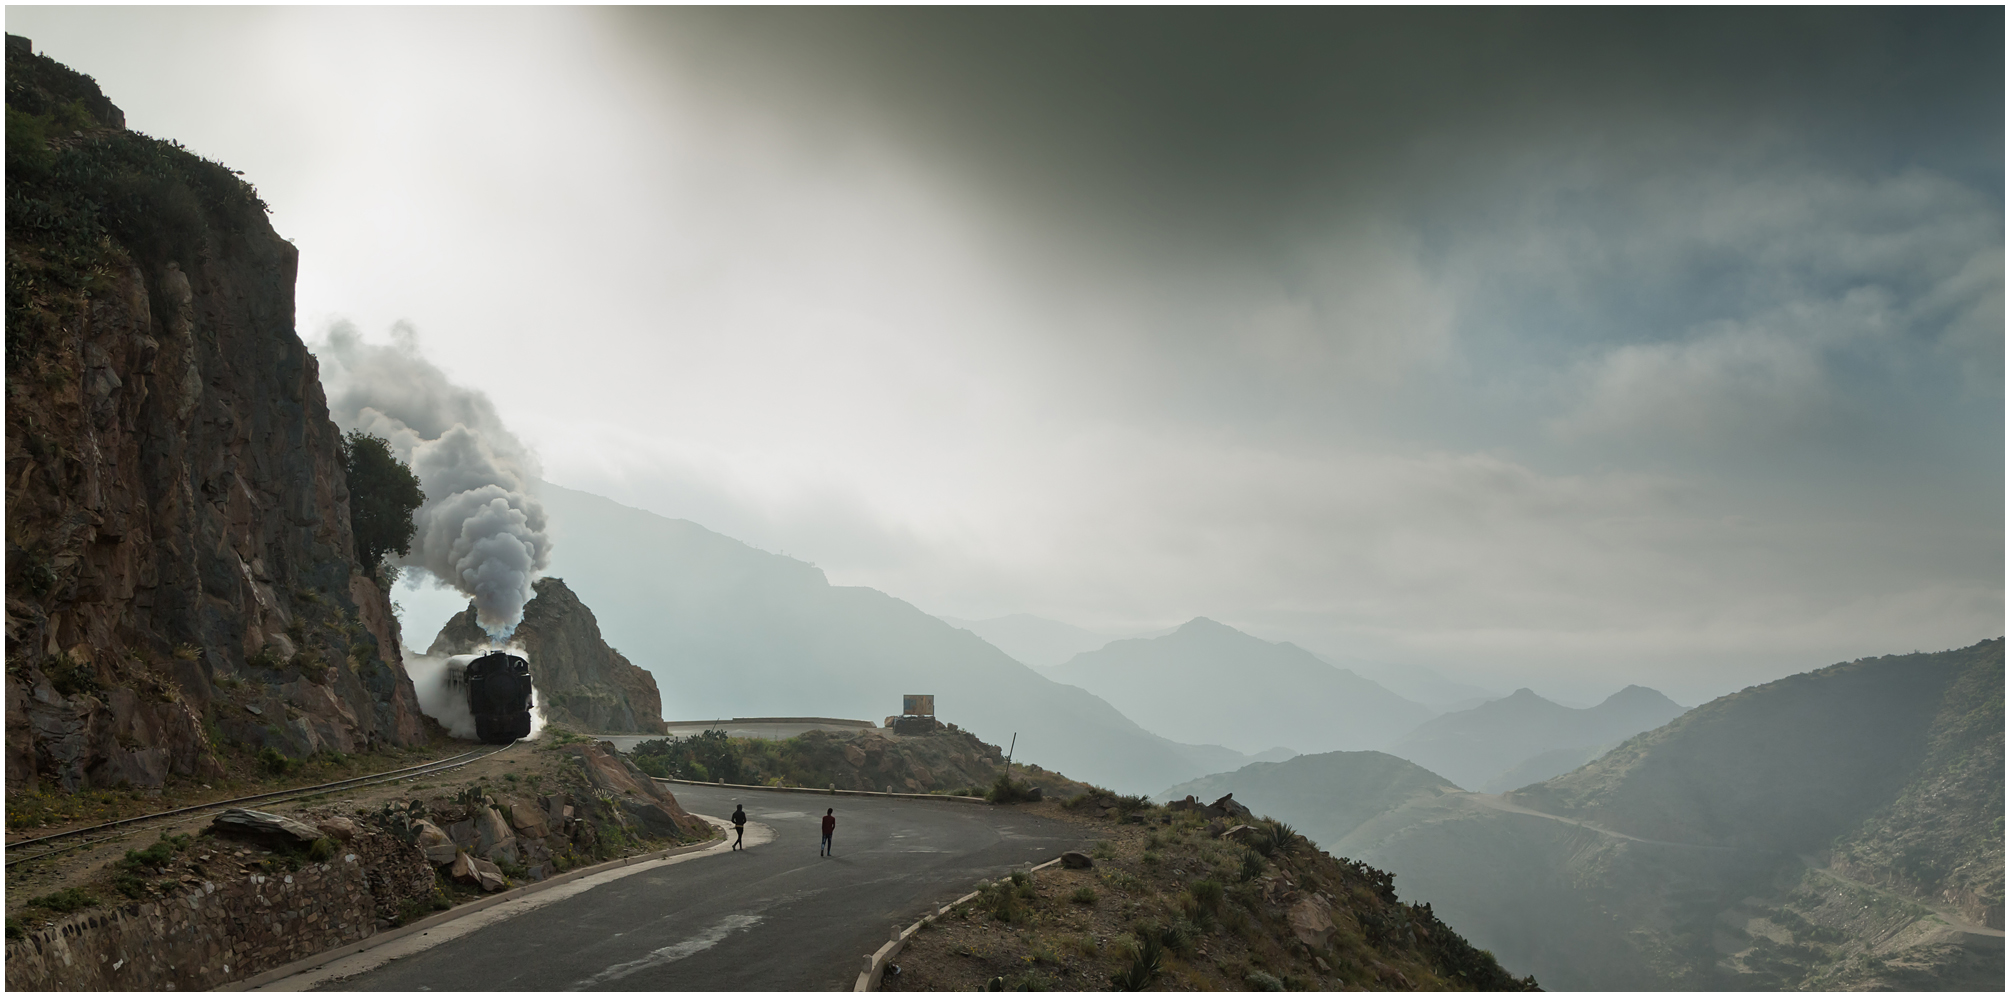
{"points": [[46, 845]]}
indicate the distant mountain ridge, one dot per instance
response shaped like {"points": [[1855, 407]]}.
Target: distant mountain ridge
{"points": [[1840, 829], [1490, 744], [728, 630], [1033, 640], [1209, 679], [1324, 796]]}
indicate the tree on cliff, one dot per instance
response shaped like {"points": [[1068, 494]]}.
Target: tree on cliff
{"points": [[383, 492]]}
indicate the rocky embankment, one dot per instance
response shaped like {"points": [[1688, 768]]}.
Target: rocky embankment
{"points": [[580, 681], [254, 890], [178, 534], [1193, 896]]}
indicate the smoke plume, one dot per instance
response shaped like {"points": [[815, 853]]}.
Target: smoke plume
{"points": [[480, 529]]}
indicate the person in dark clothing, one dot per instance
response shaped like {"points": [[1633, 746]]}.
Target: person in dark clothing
{"points": [[739, 825], [830, 824]]}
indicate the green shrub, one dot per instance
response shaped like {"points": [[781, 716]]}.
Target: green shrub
{"points": [[1083, 895], [275, 763], [65, 901], [1022, 883], [1007, 791], [1260, 980], [323, 849], [1146, 962], [156, 855], [1252, 866]]}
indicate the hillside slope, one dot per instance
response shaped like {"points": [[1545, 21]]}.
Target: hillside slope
{"points": [[1838, 829], [179, 551], [1207, 679], [580, 680], [1325, 796], [1481, 747], [732, 631]]}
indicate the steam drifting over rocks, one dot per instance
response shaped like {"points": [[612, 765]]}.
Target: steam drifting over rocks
{"points": [[480, 529]]}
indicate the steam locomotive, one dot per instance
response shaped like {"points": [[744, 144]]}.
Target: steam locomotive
{"points": [[497, 685]]}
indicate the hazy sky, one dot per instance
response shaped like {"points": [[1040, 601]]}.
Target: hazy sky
{"points": [[1565, 348]]}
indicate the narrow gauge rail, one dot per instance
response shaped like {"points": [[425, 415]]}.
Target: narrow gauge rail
{"points": [[131, 824]]}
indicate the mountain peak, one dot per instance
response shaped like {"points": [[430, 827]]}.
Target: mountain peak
{"points": [[1639, 696]]}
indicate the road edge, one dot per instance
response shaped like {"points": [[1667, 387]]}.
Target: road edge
{"points": [[326, 956], [874, 970]]}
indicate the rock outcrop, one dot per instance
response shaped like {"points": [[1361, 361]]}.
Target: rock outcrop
{"points": [[581, 682], [178, 537]]}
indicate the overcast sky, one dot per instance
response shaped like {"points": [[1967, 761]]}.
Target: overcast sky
{"points": [[1565, 348]]}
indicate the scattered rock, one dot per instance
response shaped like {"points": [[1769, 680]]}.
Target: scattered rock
{"points": [[263, 824], [480, 872]]}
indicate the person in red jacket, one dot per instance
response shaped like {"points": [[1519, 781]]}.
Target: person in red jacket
{"points": [[830, 824]]}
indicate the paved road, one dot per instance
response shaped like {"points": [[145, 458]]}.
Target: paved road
{"points": [[775, 916]]}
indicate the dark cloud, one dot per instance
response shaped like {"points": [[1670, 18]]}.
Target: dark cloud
{"points": [[1251, 124]]}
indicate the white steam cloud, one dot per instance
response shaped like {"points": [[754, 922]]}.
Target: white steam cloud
{"points": [[440, 699], [480, 529]]}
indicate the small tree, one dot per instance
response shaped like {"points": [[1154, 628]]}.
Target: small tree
{"points": [[383, 493]]}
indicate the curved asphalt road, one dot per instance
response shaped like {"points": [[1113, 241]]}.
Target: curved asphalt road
{"points": [[771, 917]]}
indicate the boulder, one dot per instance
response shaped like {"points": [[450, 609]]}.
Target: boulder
{"points": [[526, 817], [339, 828], [1076, 860], [1310, 924], [1227, 807], [494, 839], [854, 756], [262, 824], [479, 872], [610, 772]]}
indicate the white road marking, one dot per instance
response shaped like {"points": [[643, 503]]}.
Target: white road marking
{"points": [[671, 953]]}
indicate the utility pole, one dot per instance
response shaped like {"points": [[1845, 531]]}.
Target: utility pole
{"points": [[1008, 756]]}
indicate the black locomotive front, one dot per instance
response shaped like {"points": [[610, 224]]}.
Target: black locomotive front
{"points": [[499, 696]]}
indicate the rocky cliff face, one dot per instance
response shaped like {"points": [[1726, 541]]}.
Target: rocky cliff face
{"points": [[178, 540], [580, 681]]}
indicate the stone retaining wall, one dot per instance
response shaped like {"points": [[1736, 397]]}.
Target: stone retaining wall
{"points": [[211, 934]]}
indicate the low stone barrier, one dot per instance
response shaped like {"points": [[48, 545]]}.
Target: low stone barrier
{"points": [[211, 935]]}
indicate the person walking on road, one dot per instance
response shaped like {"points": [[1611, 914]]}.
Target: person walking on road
{"points": [[830, 825], [739, 826]]}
